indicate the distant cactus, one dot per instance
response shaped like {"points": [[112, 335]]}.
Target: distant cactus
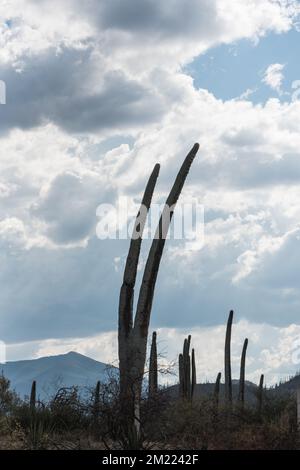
{"points": [[187, 371], [194, 378], [260, 394], [217, 391], [33, 395], [153, 375], [241, 397], [228, 380], [97, 399], [181, 376]]}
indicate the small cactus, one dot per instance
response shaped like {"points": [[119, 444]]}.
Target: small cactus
{"points": [[97, 399], [217, 390], [241, 397], [260, 394], [33, 395]]}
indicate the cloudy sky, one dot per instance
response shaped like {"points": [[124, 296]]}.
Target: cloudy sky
{"points": [[99, 91]]}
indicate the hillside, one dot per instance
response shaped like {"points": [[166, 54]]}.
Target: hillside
{"points": [[53, 372]]}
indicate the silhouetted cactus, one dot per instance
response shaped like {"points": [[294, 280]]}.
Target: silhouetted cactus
{"points": [[260, 394], [241, 397], [153, 375], [97, 400], [217, 391], [194, 377], [33, 395], [181, 376], [133, 332], [228, 380], [187, 371]]}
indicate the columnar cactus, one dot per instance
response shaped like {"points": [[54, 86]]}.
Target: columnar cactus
{"points": [[217, 391], [187, 367], [97, 399], [33, 395], [241, 397], [153, 376], [181, 376], [194, 377], [187, 371], [260, 394], [228, 380], [133, 332]]}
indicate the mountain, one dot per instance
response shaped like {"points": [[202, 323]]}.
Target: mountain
{"points": [[54, 372]]}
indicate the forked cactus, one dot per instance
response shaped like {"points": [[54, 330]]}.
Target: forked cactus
{"points": [[133, 332], [153, 375]]}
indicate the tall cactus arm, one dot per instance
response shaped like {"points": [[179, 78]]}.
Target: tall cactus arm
{"points": [[152, 265], [130, 271]]}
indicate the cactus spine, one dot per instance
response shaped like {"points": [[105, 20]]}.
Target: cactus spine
{"points": [[228, 380], [241, 397], [33, 396], [153, 380]]}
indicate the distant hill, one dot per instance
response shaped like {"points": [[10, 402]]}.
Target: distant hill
{"points": [[53, 372], [73, 368]]}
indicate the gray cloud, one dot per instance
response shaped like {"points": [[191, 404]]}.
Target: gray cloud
{"points": [[69, 207], [69, 89]]}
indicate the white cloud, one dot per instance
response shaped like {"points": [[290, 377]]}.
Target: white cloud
{"points": [[271, 350], [97, 96], [273, 77]]}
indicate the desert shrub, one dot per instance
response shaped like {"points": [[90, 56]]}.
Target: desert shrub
{"points": [[8, 398], [68, 410]]}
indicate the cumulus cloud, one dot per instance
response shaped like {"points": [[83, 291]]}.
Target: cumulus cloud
{"points": [[273, 351], [273, 77], [97, 96]]}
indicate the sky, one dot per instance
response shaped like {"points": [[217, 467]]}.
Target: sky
{"points": [[97, 92]]}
